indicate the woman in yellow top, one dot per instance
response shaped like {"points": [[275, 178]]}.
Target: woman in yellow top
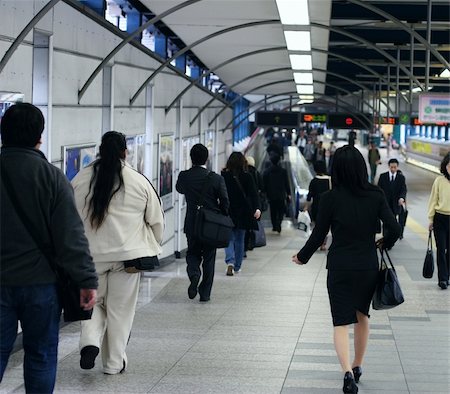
{"points": [[439, 216]]}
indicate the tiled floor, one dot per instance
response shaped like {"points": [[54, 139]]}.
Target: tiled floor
{"points": [[268, 329]]}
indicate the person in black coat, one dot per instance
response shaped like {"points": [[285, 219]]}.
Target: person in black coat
{"points": [[277, 189], [191, 184], [244, 208], [352, 210]]}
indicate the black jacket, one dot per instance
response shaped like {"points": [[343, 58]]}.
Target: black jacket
{"points": [[242, 208], [190, 183], [276, 183], [46, 197], [353, 220], [393, 190]]}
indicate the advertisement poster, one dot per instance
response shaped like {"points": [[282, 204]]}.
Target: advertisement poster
{"points": [[208, 141], [140, 153], [187, 145], [131, 151], [434, 108], [165, 170], [77, 157]]}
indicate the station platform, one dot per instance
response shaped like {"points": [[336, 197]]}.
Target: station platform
{"points": [[268, 329]]}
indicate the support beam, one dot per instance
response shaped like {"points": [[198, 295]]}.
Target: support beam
{"points": [[427, 54]]}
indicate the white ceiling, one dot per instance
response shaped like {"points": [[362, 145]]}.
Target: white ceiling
{"points": [[207, 16]]}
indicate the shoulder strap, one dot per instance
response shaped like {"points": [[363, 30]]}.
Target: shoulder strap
{"points": [[236, 178], [206, 183], [7, 184], [430, 240]]}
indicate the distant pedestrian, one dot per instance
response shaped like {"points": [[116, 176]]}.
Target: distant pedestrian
{"points": [[374, 159], [200, 257], [301, 141], [309, 151], [319, 153], [439, 217], [352, 210], [331, 151], [244, 209], [48, 225]]}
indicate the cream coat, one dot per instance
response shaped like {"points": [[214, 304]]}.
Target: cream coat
{"points": [[134, 224]]}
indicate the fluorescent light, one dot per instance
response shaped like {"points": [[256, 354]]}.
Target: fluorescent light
{"points": [[293, 12], [298, 40], [303, 78], [443, 74], [301, 62], [306, 101], [306, 97], [305, 89]]}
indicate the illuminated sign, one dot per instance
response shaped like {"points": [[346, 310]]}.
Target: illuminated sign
{"points": [[434, 108], [386, 120], [283, 119], [347, 121], [314, 118], [416, 122]]}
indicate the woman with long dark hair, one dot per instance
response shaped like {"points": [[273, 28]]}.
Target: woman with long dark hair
{"points": [[439, 216], [352, 210], [123, 221], [244, 208]]}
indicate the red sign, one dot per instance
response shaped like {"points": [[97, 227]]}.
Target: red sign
{"points": [[348, 121]]}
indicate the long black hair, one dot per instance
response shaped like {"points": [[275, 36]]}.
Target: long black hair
{"points": [[349, 171], [444, 164], [236, 163], [107, 176]]}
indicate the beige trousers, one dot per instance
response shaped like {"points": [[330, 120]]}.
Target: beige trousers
{"points": [[112, 318]]}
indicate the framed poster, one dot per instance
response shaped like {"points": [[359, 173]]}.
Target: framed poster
{"points": [[187, 144], [165, 169], [140, 152], [131, 151], [208, 141], [76, 157]]}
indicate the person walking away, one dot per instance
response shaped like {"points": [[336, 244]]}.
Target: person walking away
{"points": [[374, 159], [439, 217], [331, 151], [200, 257], [319, 153], [124, 221], [277, 189], [320, 184], [352, 210], [244, 209], [393, 185], [28, 283], [275, 148], [301, 141]]}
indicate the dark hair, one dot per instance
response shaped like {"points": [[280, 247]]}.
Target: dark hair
{"points": [[107, 177], [22, 125], [274, 158], [393, 161], [444, 164], [199, 154], [349, 170], [236, 163], [320, 167]]}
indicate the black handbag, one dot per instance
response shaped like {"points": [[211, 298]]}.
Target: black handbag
{"points": [[388, 293], [68, 291], [211, 227], [141, 264], [428, 264]]}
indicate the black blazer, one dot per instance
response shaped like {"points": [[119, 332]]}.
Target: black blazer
{"points": [[242, 208], [393, 190], [276, 183], [353, 220], [190, 183]]}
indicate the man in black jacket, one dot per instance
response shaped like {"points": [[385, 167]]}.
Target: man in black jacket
{"points": [[191, 184], [28, 282], [278, 193], [394, 186]]}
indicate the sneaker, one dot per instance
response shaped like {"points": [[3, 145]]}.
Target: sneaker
{"points": [[239, 270], [230, 270]]}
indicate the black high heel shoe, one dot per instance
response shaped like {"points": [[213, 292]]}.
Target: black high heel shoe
{"points": [[357, 372], [349, 384]]}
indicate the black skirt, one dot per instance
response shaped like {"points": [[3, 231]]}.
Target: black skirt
{"points": [[350, 291]]}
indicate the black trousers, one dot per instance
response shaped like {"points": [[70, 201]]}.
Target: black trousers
{"points": [[441, 228], [204, 256], [277, 211]]}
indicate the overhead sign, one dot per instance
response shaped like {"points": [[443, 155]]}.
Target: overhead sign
{"points": [[282, 119], [416, 122], [313, 118], [345, 121], [434, 108], [386, 120]]}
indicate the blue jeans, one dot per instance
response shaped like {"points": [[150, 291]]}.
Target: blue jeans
{"points": [[38, 310], [234, 252]]}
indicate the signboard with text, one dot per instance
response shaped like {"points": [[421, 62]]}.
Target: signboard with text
{"points": [[345, 121], [313, 118], [272, 118], [434, 108]]}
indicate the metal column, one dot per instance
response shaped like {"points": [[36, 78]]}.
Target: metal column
{"points": [[388, 90], [149, 131], [427, 53], [397, 97], [411, 68], [178, 160]]}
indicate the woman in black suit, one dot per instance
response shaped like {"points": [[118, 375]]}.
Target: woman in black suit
{"points": [[352, 210], [244, 208]]}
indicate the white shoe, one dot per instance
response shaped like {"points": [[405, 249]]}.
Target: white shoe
{"points": [[239, 270]]}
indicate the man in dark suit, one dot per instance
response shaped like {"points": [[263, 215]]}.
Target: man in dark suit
{"points": [[278, 193], [394, 187], [192, 184]]}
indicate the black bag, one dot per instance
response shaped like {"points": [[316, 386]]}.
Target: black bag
{"points": [[428, 264], [402, 216], [388, 293], [264, 202], [68, 291], [211, 227], [141, 264], [260, 236]]}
